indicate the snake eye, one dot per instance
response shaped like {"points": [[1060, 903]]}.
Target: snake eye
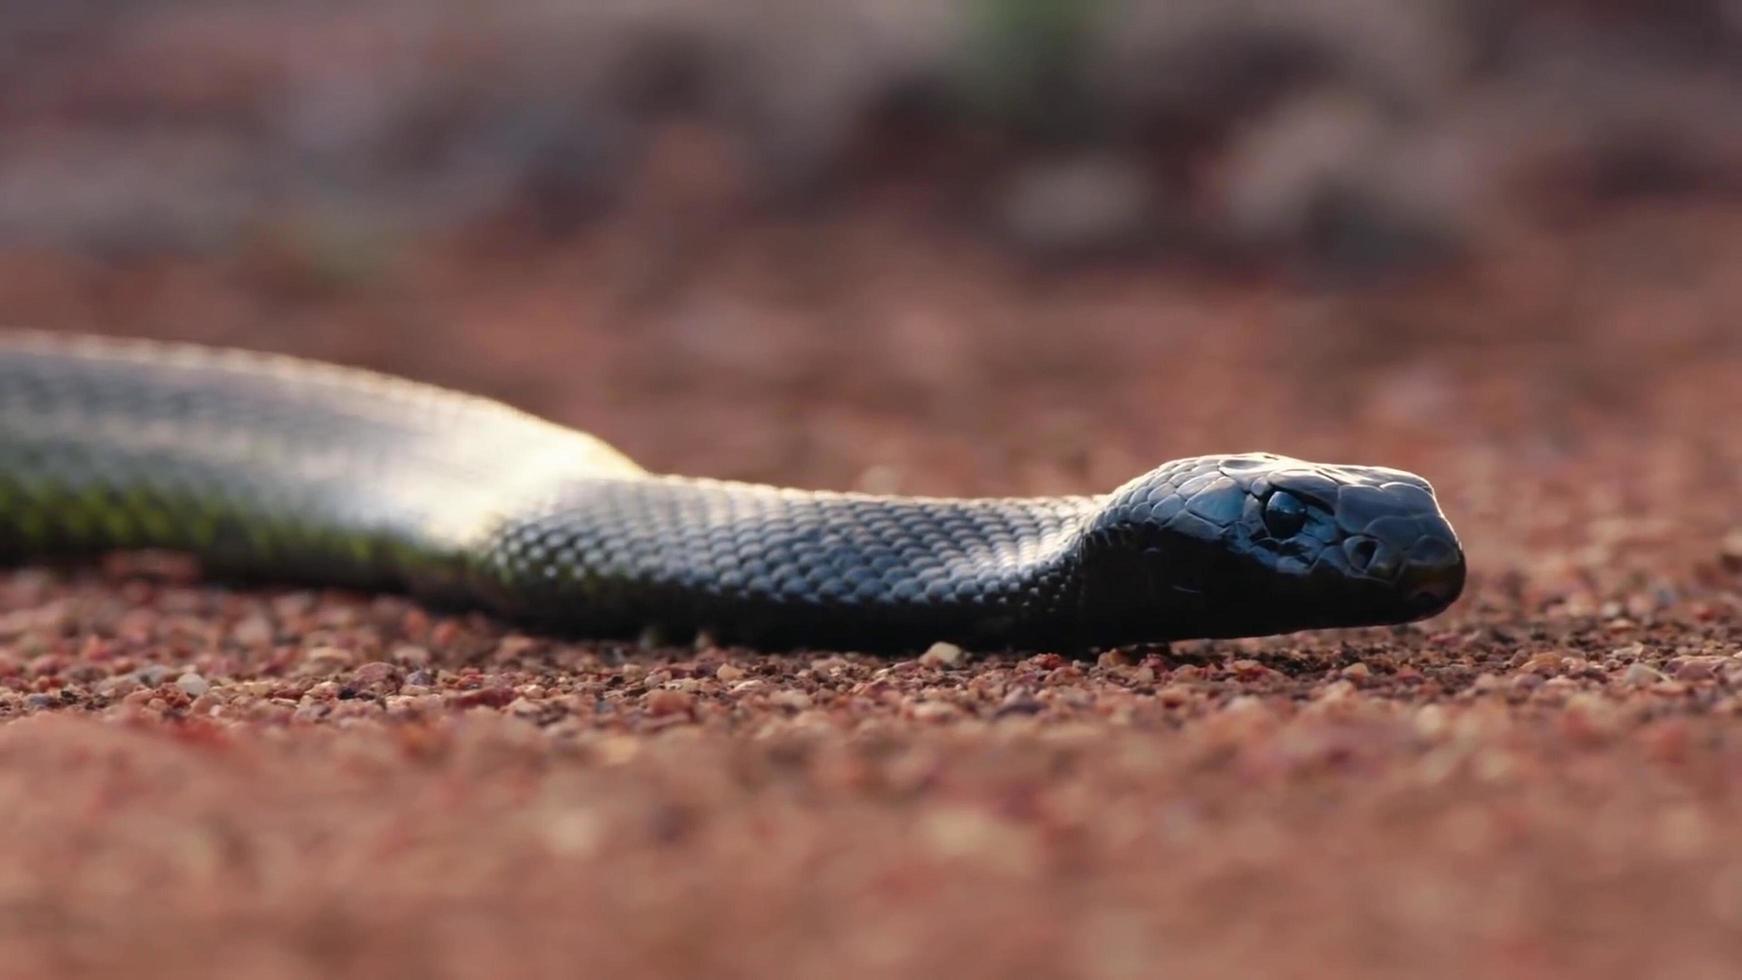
{"points": [[1284, 514]]}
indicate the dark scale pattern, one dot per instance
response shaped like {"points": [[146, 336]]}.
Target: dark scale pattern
{"points": [[271, 467], [769, 565]]}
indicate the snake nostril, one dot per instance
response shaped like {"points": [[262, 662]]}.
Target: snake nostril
{"points": [[1361, 552]]}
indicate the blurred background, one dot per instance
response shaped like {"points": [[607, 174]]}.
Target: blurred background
{"points": [[982, 247], [997, 246]]}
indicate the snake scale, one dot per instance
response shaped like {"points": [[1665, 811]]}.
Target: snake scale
{"points": [[269, 467]]}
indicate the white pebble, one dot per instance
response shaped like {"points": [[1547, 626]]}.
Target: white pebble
{"points": [[942, 654]]}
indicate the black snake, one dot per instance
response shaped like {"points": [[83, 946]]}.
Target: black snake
{"points": [[268, 466]]}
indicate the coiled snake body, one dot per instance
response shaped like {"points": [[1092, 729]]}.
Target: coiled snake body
{"points": [[268, 466]]}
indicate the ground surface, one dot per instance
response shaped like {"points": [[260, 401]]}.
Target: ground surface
{"points": [[1546, 780]]}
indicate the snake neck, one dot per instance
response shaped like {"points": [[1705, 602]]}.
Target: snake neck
{"points": [[761, 564]]}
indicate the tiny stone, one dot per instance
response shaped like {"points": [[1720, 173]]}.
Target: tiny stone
{"points": [[1251, 670], [193, 685], [376, 677], [324, 691], [255, 631], [728, 673], [409, 655], [1544, 663], [1243, 704], [1431, 721], [1730, 551], [797, 700], [328, 659], [934, 711], [1357, 671], [667, 702], [1174, 695], [1698, 668], [1641, 674], [1018, 702], [47, 665], [942, 655], [116, 687], [1114, 658]]}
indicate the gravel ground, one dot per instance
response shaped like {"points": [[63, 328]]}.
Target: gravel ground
{"points": [[208, 780]]}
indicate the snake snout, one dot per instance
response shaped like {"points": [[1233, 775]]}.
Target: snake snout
{"points": [[1433, 574]]}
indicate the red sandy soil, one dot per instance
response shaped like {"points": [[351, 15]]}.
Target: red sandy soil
{"points": [[200, 780]]}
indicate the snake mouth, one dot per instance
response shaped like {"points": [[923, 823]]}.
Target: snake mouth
{"points": [[1428, 600]]}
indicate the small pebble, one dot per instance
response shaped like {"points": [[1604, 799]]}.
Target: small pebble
{"points": [[1018, 702], [1730, 551], [377, 678], [1641, 674], [255, 631], [409, 655], [942, 655], [796, 700], [667, 702], [1698, 668], [193, 685], [327, 660], [934, 711], [1115, 658]]}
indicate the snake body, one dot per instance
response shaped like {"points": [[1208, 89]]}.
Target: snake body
{"points": [[271, 467]]}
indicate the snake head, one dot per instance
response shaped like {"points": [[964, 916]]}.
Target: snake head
{"points": [[1251, 544]]}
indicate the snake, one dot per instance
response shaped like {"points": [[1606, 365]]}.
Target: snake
{"points": [[269, 467]]}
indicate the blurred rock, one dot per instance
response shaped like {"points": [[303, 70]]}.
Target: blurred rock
{"points": [[1198, 59], [1089, 202], [1334, 173], [91, 190]]}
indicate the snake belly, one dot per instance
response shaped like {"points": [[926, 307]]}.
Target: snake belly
{"points": [[270, 467]]}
